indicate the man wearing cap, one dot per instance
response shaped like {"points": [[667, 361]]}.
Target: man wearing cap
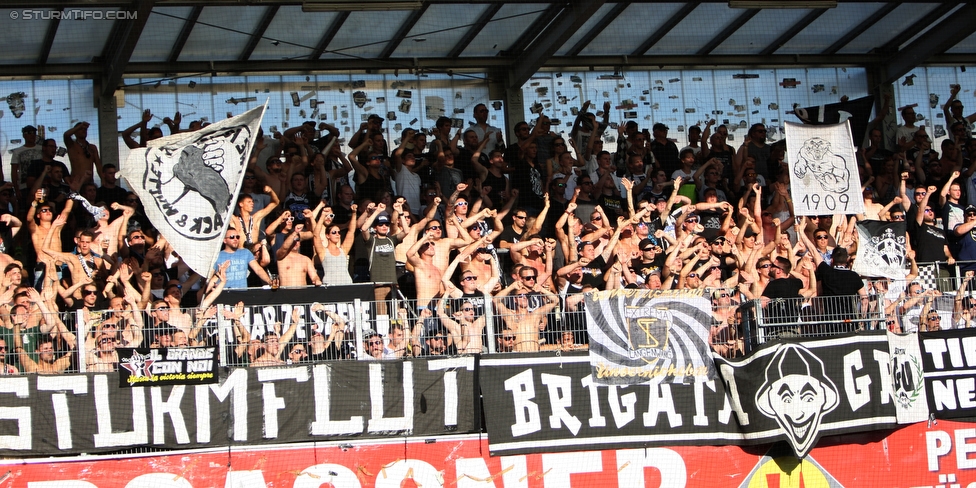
{"points": [[650, 261], [381, 242], [372, 345], [21, 157], [967, 241], [665, 150]]}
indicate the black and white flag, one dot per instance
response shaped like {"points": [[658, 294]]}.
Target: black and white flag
{"points": [[637, 336], [188, 183], [825, 179], [881, 249]]}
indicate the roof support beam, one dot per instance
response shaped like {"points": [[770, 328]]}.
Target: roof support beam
{"points": [[403, 31], [662, 31], [937, 40], [118, 50], [258, 34], [329, 34], [191, 20], [551, 39], [474, 30], [728, 31], [793, 31], [863, 26], [530, 34], [926, 21], [476, 65], [598, 28], [49, 36]]}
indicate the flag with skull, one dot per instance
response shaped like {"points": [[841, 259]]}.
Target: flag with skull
{"points": [[188, 183]]}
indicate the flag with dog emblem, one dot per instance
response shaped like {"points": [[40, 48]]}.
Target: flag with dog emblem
{"points": [[188, 183]]}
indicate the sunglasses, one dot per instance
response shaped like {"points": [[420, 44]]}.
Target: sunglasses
{"points": [[934, 318], [691, 221], [766, 266], [161, 309], [290, 219], [434, 227], [597, 217], [248, 177], [897, 217], [692, 275], [469, 278], [821, 237], [89, 292], [520, 217], [508, 338], [298, 351], [723, 295], [233, 237], [335, 232], [44, 210], [467, 309], [376, 343], [529, 278], [920, 193], [461, 204]]}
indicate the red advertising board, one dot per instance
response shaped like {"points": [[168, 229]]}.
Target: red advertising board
{"points": [[915, 456]]}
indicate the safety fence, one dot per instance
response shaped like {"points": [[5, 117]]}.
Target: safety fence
{"points": [[268, 334]]}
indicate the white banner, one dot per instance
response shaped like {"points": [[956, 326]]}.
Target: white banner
{"points": [[188, 184], [824, 165], [907, 387], [881, 249]]}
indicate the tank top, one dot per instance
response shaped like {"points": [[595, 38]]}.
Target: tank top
{"points": [[335, 268]]}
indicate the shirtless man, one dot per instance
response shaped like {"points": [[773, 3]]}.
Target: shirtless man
{"points": [[271, 352], [472, 288], [442, 246], [40, 219], [82, 154], [421, 255], [294, 267], [526, 325], [46, 363], [463, 325]]}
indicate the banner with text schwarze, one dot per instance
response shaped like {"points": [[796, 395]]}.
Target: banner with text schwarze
{"points": [[795, 392], [274, 310], [637, 335], [949, 365], [85, 413]]}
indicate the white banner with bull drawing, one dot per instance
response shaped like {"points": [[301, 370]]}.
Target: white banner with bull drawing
{"points": [[188, 183], [823, 165]]}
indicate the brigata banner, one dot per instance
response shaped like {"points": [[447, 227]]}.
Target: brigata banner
{"points": [[949, 366], [167, 366], [86, 413], [914, 456], [795, 392], [641, 335]]}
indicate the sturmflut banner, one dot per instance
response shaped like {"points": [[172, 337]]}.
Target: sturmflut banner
{"points": [[87, 413], [796, 392], [824, 179], [188, 183], [642, 335]]}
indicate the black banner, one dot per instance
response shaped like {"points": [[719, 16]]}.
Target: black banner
{"points": [[167, 366], [266, 308], [548, 404], [86, 413], [949, 366]]}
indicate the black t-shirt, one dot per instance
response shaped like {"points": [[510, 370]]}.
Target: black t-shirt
{"points": [[838, 281], [929, 243], [509, 235], [593, 273], [711, 220], [782, 311], [666, 155]]}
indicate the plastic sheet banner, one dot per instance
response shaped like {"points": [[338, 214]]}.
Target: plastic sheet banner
{"points": [[915, 456], [824, 179], [797, 392], [88, 413]]}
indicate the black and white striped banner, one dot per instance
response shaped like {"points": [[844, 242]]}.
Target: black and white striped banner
{"points": [[640, 335]]}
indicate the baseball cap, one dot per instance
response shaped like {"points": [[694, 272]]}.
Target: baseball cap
{"points": [[660, 126], [29, 128], [645, 243], [383, 218]]}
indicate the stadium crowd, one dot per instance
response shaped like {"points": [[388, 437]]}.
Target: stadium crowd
{"points": [[458, 222]]}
